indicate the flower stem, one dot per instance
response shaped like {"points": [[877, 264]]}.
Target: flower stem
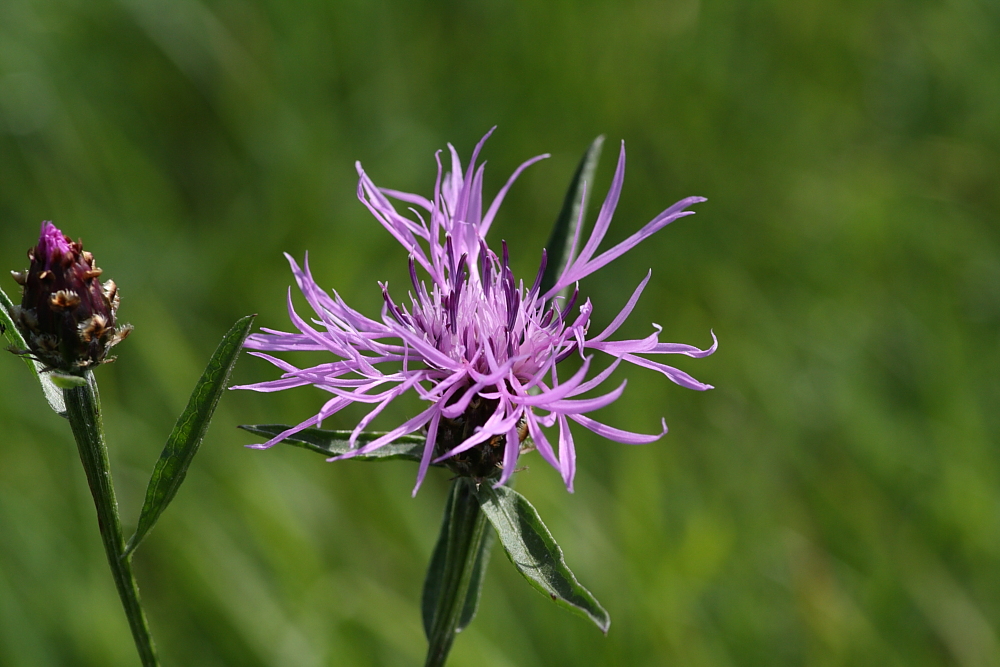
{"points": [[468, 527], [83, 408]]}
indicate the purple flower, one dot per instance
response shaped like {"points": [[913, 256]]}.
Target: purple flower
{"points": [[67, 316], [474, 342]]}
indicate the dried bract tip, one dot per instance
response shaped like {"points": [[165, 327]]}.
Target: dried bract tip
{"points": [[66, 315], [64, 299]]}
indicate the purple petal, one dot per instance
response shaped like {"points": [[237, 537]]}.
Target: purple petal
{"points": [[510, 452], [675, 375], [409, 198], [607, 211], [586, 404], [595, 381], [658, 223], [406, 427], [390, 396], [329, 408], [458, 407], [621, 347], [462, 210], [541, 442], [567, 453], [687, 350], [617, 434], [625, 312], [429, 353], [425, 459], [495, 206], [563, 390]]}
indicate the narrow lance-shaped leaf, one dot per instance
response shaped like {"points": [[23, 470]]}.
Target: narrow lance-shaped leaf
{"points": [[434, 580], [53, 394], [574, 210], [471, 605], [436, 575], [456, 572], [184, 440], [535, 554], [335, 443]]}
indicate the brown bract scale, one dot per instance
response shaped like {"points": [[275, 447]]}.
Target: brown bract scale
{"points": [[67, 316], [483, 460]]}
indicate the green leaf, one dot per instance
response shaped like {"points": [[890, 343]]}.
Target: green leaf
{"points": [[574, 210], [471, 605], [335, 443], [436, 575], [454, 579], [184, 440], [535, 554], [434, 580], [53, 394]]}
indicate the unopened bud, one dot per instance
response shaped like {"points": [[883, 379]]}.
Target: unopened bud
{"points": [[66, 315]]}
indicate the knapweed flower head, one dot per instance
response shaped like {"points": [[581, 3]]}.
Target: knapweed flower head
{"points": [[67, 315], [481, 347]]}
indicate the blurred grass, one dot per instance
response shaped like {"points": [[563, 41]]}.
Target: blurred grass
{"points": [[835, 501]]}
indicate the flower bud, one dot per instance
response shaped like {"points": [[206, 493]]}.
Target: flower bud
{"points": [[67, 316]]}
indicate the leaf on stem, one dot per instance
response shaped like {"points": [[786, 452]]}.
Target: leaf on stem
{"points": [[574, 210], [535, 554], [184, 440], [335, 443], [471, 605], [53, 394]]}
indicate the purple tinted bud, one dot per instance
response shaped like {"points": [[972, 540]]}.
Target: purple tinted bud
{"points": [[67, 316]]}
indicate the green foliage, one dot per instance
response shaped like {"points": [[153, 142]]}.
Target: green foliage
{"points": [[51, 390], [533, 551], [63, 381], [83, 410], [436, 572], [832, 502], [571, 215], [457, 569], [189, 431], [335, 443]]}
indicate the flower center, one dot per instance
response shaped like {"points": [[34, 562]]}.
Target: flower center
{"points": [[483, 460]]}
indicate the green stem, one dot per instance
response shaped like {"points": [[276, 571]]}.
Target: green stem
{"points": [[83, 408], [469, 524]]}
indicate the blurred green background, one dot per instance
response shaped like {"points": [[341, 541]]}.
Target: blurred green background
{"points": [[835, 501]]}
